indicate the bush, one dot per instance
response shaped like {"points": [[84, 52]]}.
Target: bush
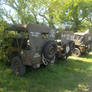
{"points": [[4, 42]]}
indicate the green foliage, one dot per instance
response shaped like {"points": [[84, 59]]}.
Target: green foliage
{"points": [[50, 12], [4, 42]]}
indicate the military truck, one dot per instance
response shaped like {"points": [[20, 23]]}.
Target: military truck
{"points": [[65, 45], [83, 43], [32, 45]]}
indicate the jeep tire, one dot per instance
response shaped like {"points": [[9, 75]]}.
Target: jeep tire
{"points": [[49, 50], [76, 52], [17, 66]]}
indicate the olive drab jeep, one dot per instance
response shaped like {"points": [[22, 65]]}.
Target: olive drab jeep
{"points": [[65, 44], [32, 45], [83, 43]]}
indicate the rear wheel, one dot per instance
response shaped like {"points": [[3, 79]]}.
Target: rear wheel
{"points": [[44, 60], [76, 52], [17, 66], [47, 61]]}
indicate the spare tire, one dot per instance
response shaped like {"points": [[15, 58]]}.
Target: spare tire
{"points": [[49, 50]]}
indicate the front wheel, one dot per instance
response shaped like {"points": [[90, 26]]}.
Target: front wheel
{"points": [[76, 52], [17, 66]]}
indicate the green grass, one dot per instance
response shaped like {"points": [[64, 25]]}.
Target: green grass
{"points": [[73, 76]]}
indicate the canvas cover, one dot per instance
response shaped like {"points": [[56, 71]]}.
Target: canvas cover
{"points": [[17, 27]]}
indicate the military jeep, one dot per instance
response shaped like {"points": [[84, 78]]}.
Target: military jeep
{"points": [[83, 43], [65, 44], [32, 45]]}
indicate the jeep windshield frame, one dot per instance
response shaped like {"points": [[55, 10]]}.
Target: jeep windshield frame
{"points": [[78, 37]]}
